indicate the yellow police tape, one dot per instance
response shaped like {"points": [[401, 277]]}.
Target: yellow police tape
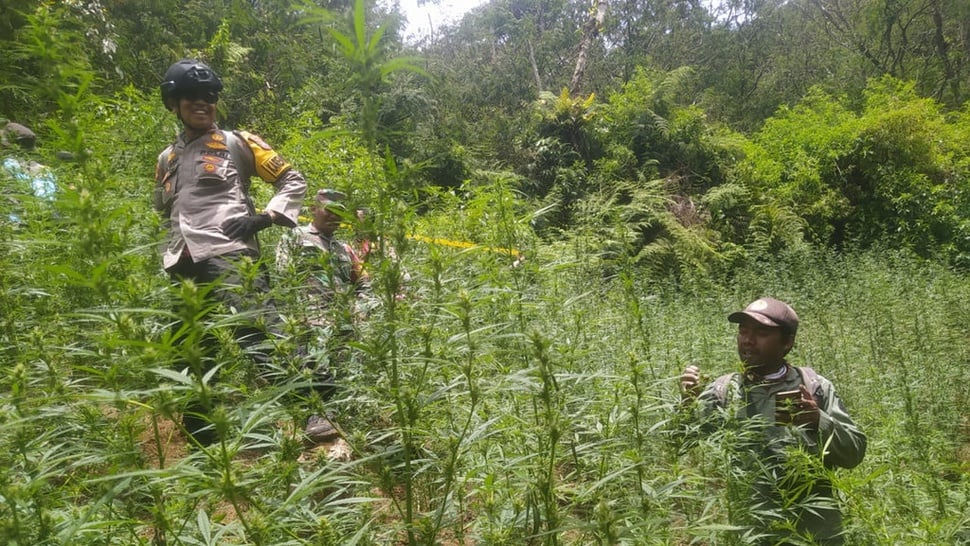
{"points": [[444, 242], [463, 244]]}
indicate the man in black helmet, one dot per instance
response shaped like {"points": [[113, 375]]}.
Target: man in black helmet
{"points": [[202, 184], [202, 180]]}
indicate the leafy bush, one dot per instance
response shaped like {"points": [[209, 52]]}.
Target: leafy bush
{"points": [[896, 171]]}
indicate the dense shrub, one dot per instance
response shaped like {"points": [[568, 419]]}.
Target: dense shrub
{"points": [[893, 172]]}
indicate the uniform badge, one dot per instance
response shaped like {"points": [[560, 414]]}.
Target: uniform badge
{"points": [[217, 141], [275, 165]]}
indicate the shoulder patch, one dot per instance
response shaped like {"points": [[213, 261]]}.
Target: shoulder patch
{"points": [[270, 166], [275, 166]]}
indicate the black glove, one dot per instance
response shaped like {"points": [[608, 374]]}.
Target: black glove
{"points": [[244, 227]]}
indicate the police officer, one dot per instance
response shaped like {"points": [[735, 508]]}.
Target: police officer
{"points": [[202, 184], [783, 407]]}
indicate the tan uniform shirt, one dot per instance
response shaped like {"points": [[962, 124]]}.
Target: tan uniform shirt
{"points": [[198, 185]]}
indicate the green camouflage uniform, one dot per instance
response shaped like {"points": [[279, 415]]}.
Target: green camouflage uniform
{"points": [[332, 273], [783, 479]]}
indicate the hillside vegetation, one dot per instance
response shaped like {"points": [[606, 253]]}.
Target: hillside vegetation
{"points": [[559, 256]]}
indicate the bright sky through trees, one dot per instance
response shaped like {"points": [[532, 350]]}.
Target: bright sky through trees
{"points": [[440, 13]]}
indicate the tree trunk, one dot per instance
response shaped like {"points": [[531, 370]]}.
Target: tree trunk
{"points": [[590, 32], [535, 67], [943, 52]]}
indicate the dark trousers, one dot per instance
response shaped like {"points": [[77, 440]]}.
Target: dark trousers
{"points": [[221, 275], [224, 271]]}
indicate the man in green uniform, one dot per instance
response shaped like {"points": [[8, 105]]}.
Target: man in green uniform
{"points": [[786, 412], [333, 277], [333, 270]]}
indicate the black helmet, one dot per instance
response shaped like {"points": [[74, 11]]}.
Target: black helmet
{"points": [[185, 76]]}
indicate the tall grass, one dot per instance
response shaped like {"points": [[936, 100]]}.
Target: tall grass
{"points": [[491, 404]]}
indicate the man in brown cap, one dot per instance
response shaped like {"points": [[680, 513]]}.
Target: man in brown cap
{"points": [[17, 134], [785, 408], [334, 269]]}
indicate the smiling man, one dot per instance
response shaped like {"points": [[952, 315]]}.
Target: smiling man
{"points": [[785, 412], [201, 190]]}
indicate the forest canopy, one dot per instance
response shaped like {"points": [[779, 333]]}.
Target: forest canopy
{"points": [[727, 127]]}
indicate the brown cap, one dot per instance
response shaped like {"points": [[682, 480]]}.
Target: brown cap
{"points": [[770, 312], [331, 198]]}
